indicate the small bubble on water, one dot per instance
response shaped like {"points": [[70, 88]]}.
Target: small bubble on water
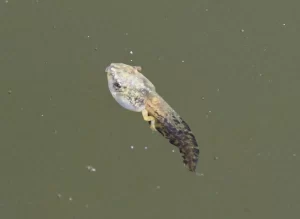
{"points": [[90, 168], [199, 174]]}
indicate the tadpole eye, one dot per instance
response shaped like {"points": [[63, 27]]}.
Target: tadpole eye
{"points": [[116, 85]]}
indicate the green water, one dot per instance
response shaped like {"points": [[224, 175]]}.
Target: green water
{"points": [[68, 150]]}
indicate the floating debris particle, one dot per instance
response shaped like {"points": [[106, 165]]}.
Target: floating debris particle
{"points": [[90, 168], [200, 174]]}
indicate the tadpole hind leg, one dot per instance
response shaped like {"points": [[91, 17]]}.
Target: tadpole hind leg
{"points": [[149, 119]]}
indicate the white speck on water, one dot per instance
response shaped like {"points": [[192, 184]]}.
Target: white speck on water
{"points": [[70, 199], [173, 151], [42, 115], [157, 187], [131, 60], [283, 24], [206, 9], [182, 61], [131, 52], [59, 195], [294, 155], [218, 89], [6, 1], [90, 168], [160, 58], [126, 34], [146, 148], [242, 30], [132, 147]]}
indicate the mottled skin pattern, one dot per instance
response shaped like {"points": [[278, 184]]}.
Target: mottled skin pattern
{"points": [[135, 92]]}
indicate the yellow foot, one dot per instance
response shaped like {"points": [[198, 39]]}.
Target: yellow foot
{"points": [[149, 118]]}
